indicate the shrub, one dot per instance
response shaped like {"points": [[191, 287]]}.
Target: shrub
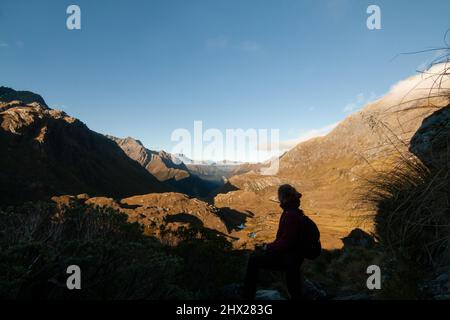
{"points": [[39, 241]]}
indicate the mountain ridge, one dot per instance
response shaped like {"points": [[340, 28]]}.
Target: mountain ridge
{"points": [[48, 153]]}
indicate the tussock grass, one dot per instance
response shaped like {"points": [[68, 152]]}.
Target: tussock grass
{"points": [[413, 211], [412, 199]]}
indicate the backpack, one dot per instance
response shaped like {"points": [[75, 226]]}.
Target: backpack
{"points": [[310, 240]]}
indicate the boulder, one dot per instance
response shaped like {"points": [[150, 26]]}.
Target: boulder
{"points": [[356, 296], [358, 238], [268, 295], [313, 291]]}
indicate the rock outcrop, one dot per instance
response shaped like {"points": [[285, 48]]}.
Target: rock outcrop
{"points": [[431, 143], [168, 210], [358, 238]]}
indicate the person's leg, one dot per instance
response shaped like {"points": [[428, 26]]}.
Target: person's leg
{"points": [[258, 260], [251, 277], [294, 280]]}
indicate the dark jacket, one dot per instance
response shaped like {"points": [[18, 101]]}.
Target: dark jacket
{"points": [[289, 231]]}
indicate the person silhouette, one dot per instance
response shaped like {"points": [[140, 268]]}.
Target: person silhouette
{"points": [[286, 252]]}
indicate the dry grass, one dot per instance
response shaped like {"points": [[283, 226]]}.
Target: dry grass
{"points": [[413, 213], [412, 198]]}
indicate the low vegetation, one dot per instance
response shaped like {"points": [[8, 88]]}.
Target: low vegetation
{"points": [[38, 241]]}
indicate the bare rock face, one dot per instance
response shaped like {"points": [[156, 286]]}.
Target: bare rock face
{"points": [[170, 210], [330, 171], [134, 149], [164, 168], [174, 208], [46, 152], [431, 143], [103, 202], [160, 164]]}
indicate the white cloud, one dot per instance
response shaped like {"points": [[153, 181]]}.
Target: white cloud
{"points": [[359, 101], [432, 82], [3, 44], [304, 136]]}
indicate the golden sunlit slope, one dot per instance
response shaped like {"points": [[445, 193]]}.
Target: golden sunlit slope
{"points": [[330, 171]]}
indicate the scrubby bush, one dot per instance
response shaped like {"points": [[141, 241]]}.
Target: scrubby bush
{"points": [[38, 241], [209, 262]]}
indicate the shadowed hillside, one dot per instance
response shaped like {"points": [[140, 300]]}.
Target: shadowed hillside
{"points": [[45, 152]]}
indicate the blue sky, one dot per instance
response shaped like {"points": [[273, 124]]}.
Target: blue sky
{"points": [[145, 68]]}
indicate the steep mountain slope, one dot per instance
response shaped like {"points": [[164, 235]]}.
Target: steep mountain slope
{"points": [[160, 164], [45, 152], [167, 169], [331, 170]]}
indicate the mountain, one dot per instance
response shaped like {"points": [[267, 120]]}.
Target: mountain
{"points": [[330, 171], [160, 164], [179, 157], [9, 95], [168, 168], [50, 153], [215, 170], [46, 152]]}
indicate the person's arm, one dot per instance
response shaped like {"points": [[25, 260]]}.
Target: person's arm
{"points": [[289, 237]]}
